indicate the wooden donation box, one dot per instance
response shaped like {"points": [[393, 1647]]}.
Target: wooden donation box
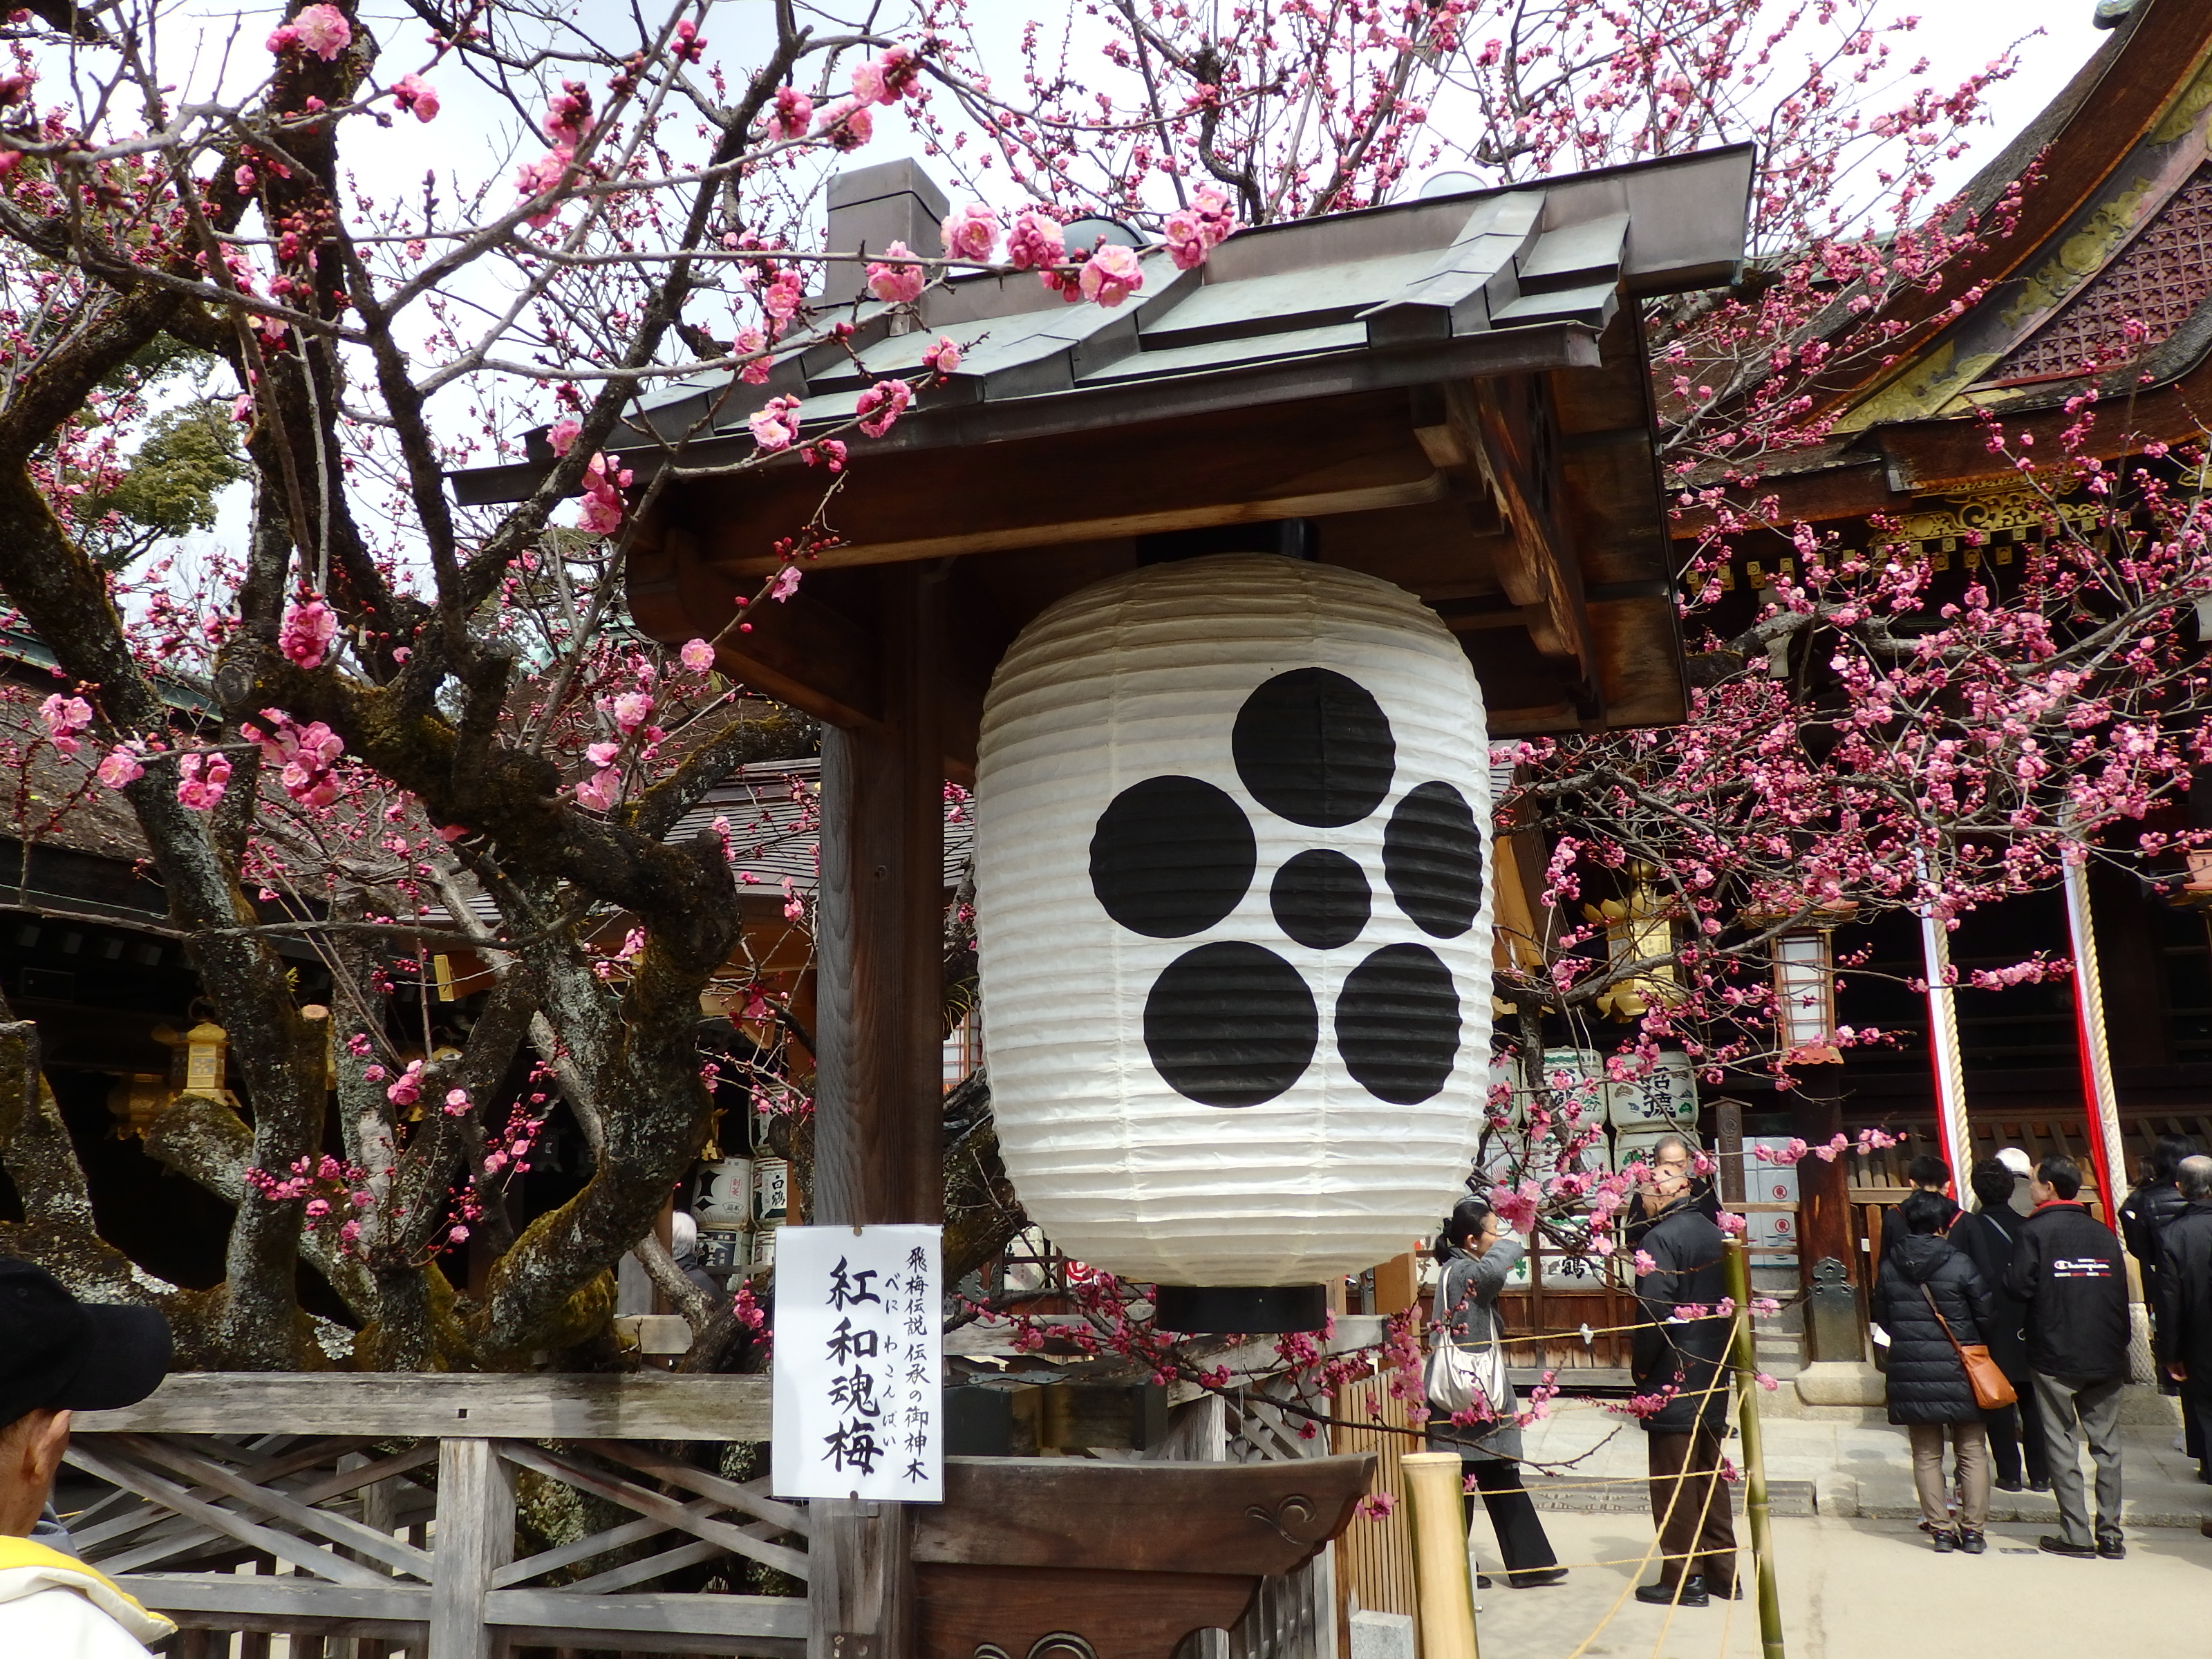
{"points": [[1065, 1558]]}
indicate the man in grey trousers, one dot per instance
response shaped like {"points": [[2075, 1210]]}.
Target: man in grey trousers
{"points": [[2068, 1269]]}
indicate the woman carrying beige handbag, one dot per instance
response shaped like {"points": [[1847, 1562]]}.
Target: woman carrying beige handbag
{"points": [[1466, 1371]]}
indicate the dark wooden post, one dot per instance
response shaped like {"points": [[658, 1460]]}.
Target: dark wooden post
{"points": [[879, 956], [1827, 1239]]}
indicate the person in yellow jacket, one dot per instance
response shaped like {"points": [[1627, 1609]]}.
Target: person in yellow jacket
{"points": [[58, 1355]]}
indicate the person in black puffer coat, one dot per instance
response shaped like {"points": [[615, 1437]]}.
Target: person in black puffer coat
{"points": [[1923, 1285]]}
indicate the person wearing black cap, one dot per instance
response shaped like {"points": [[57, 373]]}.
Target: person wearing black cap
{"points": [[58, 1355]]}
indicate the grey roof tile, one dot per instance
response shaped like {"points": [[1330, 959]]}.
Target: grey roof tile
{"points": [[1159, 363]]}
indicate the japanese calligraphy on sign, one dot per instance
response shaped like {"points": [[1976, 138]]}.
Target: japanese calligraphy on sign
{"points": [[858, 1359]]}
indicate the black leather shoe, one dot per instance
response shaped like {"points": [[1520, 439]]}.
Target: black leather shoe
{"points": [[2039, 1486], [1946, 1540], [1972, 1543], [1482, 1581], [2006, 1486], [1692, 1594], [2112, 1546], [1536, 1580], [2050, 1545]]}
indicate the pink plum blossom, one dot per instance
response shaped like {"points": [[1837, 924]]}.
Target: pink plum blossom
{"points": [[785, 585], [794, 112], [846, 123], [878, 408], [122, 766], [535, 178], [971, 233], [307, 634], [943, 357], [887, 79], [782, 298], [752, 344], [600, 791], [631, 710], [568, 116], [201, 780], [604, 481], [1111, 274], [66, 717], [1035, 239], [697, 655], [774, 425], [561, 437], [895, 281], [324, 31], [418, 96]]}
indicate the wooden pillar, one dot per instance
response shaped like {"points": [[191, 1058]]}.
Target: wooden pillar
{"points": [[475, 1538], [878, 1096], [880, 938], [1826, 1230]]}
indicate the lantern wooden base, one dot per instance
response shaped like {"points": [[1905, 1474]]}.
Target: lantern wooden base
{"points": [[1208, 1309]]}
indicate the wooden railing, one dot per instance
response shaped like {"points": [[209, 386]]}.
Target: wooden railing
{"points": [[376, 1512]]}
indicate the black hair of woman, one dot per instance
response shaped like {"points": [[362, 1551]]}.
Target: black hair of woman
{"points": [[1466, 1220]]}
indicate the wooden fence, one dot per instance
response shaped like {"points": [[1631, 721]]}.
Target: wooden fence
{"points": [[368, 1515]]}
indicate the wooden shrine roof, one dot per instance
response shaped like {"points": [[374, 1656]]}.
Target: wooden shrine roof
{"points": [[2114, 229], [1450, 394]]}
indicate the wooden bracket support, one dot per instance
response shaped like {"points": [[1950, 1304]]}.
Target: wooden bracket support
{"points": [[1467, 430]]}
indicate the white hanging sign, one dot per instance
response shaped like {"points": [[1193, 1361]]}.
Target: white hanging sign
{"points": [[859, 1363]]}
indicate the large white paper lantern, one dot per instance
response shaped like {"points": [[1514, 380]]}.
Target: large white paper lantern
{"points": [[1235, 929]]}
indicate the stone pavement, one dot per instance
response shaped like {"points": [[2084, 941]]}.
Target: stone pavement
{"points": [[1845, 1462], [1862, 1589]]}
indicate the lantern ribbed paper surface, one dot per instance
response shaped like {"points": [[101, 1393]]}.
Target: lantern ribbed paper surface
{"points": [[1234, 921]]}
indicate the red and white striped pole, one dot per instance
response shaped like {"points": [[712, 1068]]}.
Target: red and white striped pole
{"points": [[2099, 1099]]}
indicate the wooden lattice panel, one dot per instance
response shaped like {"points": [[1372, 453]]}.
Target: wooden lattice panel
{"points": [[2160, 281]]}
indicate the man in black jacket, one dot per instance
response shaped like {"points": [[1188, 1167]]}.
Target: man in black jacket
{"points": [[1987, 1238], [1677, 1354], [2184, 1289], [2143, 1217], [2069, 1270]]}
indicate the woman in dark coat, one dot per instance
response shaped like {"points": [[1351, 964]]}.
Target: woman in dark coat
{"points": [[1986, 1237], [1478, 1260], [1927, 1388]]}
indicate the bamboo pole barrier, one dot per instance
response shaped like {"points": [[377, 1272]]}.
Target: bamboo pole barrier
{"points": [[1742, 1354], [1434, 1484]]}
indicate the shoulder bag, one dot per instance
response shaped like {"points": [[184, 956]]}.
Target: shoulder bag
{"points": [[1457, 1378], [1990, 1386]]}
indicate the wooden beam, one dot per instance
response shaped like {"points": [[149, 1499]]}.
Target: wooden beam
{"points": [[799, 651], [1317, 504], [1352, 454], [430, 1405]]}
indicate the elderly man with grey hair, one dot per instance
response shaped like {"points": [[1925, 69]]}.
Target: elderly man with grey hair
{"points": [[2184, 1295]]}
